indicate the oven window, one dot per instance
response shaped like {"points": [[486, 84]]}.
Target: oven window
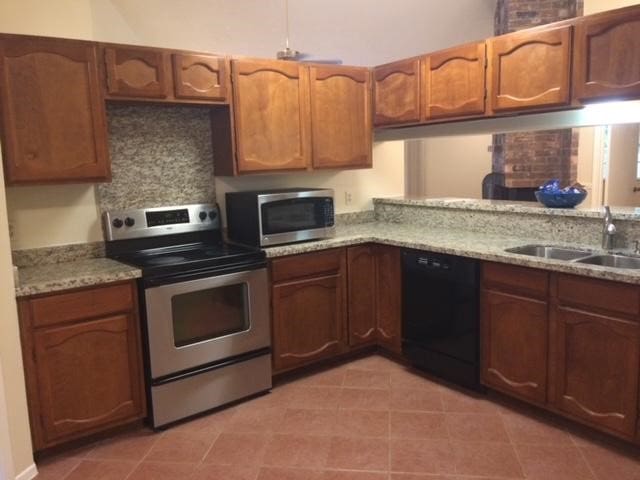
{"points": [[206, 314], [289, 215]]}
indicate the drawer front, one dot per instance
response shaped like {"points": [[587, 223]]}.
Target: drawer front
{"points": [[82, 305], [599, 295], [517, 280], [307, 264]]}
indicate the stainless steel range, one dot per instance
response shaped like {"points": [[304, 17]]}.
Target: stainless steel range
{"points": [[204, 305]]}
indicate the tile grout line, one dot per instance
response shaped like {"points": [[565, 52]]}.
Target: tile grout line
{"points": [[512, 443]]}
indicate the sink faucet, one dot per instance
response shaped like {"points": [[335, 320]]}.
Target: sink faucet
{"points": [[608, 229]]}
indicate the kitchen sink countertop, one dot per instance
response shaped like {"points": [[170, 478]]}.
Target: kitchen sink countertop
{"points": [[66, 275], [456, 242]]}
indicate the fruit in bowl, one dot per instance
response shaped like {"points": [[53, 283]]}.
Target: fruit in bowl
{"points": [[552, 196]]}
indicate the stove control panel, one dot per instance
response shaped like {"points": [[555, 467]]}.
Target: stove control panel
{"points": [[149, 222]]}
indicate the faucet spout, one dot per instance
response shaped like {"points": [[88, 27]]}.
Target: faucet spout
{"points": [[608, 230]]}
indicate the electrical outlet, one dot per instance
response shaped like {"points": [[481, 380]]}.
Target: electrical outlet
{"points": [[347, 198]]}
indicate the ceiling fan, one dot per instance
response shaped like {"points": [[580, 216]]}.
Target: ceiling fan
{"points": [[294, 55]]}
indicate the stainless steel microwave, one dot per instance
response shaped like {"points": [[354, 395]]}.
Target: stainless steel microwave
{"points": [[273, 217]]}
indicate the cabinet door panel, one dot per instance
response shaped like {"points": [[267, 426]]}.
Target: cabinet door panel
{"points": [[397, 93], [136, 73], [200, 77], [361, 265], [597, 369], [54, 127], [514, 344], [607, 64], [389, 297], [308, 320], [454, 82], [530, 69], [341, 116], [271, 103], [88, 375]]}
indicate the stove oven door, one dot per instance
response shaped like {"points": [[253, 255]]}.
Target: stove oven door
{"points": [[195, 323]]}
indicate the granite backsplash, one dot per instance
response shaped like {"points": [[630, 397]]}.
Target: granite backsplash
{"points": [[160, 156]]}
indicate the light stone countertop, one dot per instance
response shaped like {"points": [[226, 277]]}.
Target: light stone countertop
{"points": [[463, 243], [68, 275]]}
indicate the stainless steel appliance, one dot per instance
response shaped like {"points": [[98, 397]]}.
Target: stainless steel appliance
{"points": [[273, 217], [204, 305], [440, 319]]}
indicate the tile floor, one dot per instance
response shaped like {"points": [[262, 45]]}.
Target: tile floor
{"points": [[370, 419]]}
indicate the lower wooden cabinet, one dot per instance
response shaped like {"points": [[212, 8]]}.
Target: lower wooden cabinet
{"points": [[388, 298], [361, 261], [83, 367], [574, 350], [514, 344], [309, 308]]}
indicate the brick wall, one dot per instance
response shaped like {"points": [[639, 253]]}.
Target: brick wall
{"points": [[527, 159]]}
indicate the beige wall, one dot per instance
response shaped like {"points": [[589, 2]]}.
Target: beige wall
{"points": [[10, 354], [455, 166], [623, 164], [595, 6]]}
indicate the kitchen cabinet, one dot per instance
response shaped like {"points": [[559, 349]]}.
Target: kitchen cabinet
{"points": [[53, 117], [361, 262], [607, 58], [83, 366], [309, 308], [388, 298], [341, 129], [596, 352], [397, 92], [530, 69], [271, 113], [514, 331], [162, 75], [454, 82]]}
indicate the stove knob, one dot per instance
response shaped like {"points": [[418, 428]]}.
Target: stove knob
{"points": [[117, 223], [129, 222], [203, 216], [213, 214]]}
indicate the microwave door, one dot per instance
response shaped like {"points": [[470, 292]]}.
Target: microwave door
{"points": [[294, 220]]}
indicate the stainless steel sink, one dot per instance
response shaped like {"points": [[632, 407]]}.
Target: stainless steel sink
{"points": [[615, 261], [545, 251]]}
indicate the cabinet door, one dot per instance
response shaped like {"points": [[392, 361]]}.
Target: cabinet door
{"points": [[454, 82], [397, 92], [200, 77], [54, 127], [597, 368], [341, 116], [361, 268], [271, 103], [514, 345], [136, 72], [389, 297], [530, 69], [308, 320], [607, 63], [88, 376]]}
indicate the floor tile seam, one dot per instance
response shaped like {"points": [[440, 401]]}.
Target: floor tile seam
{"points": [[210, 448], [143, 458], [73, 469], [586, 461]]}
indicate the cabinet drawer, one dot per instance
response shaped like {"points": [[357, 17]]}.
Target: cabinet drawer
{"points": [[307, 264], [517, 280], [82, 304], [601, 295]]}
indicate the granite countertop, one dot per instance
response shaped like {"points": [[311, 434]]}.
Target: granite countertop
{"points": [[75, 274], [463, 243]]}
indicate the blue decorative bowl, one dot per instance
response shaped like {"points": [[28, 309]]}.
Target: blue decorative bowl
{"points": [[559, 199]]}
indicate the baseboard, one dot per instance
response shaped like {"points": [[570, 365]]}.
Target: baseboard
{"points": [[29, 473]]}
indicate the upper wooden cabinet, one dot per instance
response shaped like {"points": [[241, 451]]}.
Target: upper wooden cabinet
{"points": [[53, 117], [454, 82], [607, 56], [530, 69], [160, 75], [83, 366], [271, 112], [340, 116], [397, 92]]}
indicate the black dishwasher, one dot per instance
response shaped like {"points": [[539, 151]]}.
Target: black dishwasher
{"points": [[440, 319]]}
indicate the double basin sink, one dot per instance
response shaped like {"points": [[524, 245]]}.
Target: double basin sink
{"points": [[578, 256]]}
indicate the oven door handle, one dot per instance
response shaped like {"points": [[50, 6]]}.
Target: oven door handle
{"points": [[149, 282]]}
